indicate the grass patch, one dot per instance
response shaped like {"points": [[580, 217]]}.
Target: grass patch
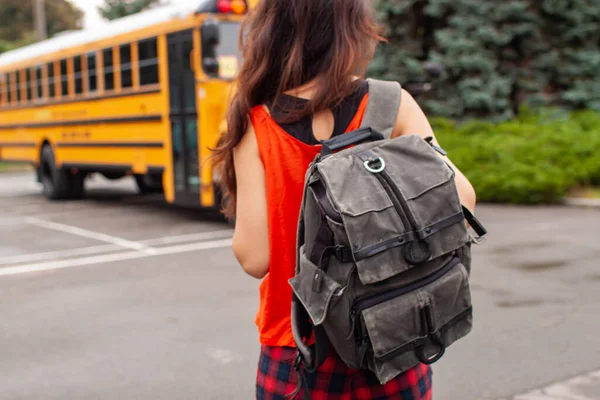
{"points": [[14, 167]]}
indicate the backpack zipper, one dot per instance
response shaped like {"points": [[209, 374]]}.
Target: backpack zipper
{"points": [[361, 304], [407, 217], [398, 199]]}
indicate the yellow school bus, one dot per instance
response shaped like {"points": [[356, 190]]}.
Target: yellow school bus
{"points": [[143, 95]]}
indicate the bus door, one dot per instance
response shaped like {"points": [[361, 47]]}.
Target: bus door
{"points": [[183, 116]]}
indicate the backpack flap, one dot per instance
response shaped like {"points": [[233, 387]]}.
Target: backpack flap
{"points": [[405, 213], [416, 323], [314, 289]]}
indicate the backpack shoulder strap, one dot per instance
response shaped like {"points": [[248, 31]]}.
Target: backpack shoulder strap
{"points": [[382, 107]]}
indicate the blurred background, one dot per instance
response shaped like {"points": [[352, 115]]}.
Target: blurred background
{"points": [[116, 273]]}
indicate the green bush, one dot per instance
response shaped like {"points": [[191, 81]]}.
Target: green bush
{"points": [[537, 158]]}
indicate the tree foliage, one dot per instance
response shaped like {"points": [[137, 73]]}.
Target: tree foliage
{"points": [[571, 66], [498, 56], [114, 9], [17, 26]]}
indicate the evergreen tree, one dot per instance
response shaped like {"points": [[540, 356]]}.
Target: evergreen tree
{"points": [[572, 64], [401, 58], [486, 47], [114, 9], [516, 37], [498, 55]]}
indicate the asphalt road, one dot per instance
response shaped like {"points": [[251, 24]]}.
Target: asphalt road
{"points": [[120, 296]]}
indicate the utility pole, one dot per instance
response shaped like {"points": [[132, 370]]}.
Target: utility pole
{"points": [[39, 16]]}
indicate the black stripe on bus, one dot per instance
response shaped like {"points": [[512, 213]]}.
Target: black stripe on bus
{"points": [[124, 168], [99, 167], [17, 144], [142, 118], [111, 144]]}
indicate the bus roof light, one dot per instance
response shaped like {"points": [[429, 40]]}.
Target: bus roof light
{"points": [[224, 6], [238, 6]]}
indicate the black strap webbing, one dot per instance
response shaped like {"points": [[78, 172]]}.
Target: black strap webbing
{"points": [[474, 222], [432, 229], [323, 201], [440, 225]]}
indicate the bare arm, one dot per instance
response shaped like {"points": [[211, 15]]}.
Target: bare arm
{"points": [[251, 236], [412, 120]]}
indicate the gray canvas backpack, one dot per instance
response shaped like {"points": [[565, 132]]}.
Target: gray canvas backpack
{"points": [[383, 252]]}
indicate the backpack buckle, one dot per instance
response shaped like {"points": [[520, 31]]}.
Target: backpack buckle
{"points": [[342, 253]]}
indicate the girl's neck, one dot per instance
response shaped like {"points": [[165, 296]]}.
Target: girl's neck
{"points": [[307, 90]]}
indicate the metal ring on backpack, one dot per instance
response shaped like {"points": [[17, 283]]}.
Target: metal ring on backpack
{"points": [[414, 259], [375, 170], [420, 353]]}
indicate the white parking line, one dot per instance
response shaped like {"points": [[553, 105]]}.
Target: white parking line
{"points": [[191, 237], [107, 258], [101, 237], [584, 387], [52, 255], [108, 248]]}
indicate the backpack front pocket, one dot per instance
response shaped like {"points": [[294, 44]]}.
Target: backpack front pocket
{"points": [[401, 327], [315, 289]]}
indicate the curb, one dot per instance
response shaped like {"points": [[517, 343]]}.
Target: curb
{"points": [[581, 202]]}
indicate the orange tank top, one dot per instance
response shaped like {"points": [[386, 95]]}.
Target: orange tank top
{"points": [[286, 160]]}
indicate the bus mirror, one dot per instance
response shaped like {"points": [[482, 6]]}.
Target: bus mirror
{"points": [[211, 34], [211, 66]]}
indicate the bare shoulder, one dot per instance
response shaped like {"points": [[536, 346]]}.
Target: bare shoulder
{"points": [[410, 118], [247, 148]]}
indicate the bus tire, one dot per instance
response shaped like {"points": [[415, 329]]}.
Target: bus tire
{"points": [[56, 182], [149, 184]]}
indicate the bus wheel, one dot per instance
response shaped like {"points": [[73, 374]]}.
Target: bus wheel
{"points": [[56, 182], [148, 184]]}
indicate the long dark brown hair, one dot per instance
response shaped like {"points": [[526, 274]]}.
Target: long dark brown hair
{"points": [[286, 44]]}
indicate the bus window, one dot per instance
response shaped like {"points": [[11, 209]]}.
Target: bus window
{"points": [[148, 61], [39, 82], [8, 81], [92, 78], [109, 76], [77, 75], [126, 73], [51, 83], [2, 90], [18, 81], [64, 78], [28, 84]]}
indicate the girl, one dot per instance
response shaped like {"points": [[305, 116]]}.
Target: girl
{"points": [[301, 82]]}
